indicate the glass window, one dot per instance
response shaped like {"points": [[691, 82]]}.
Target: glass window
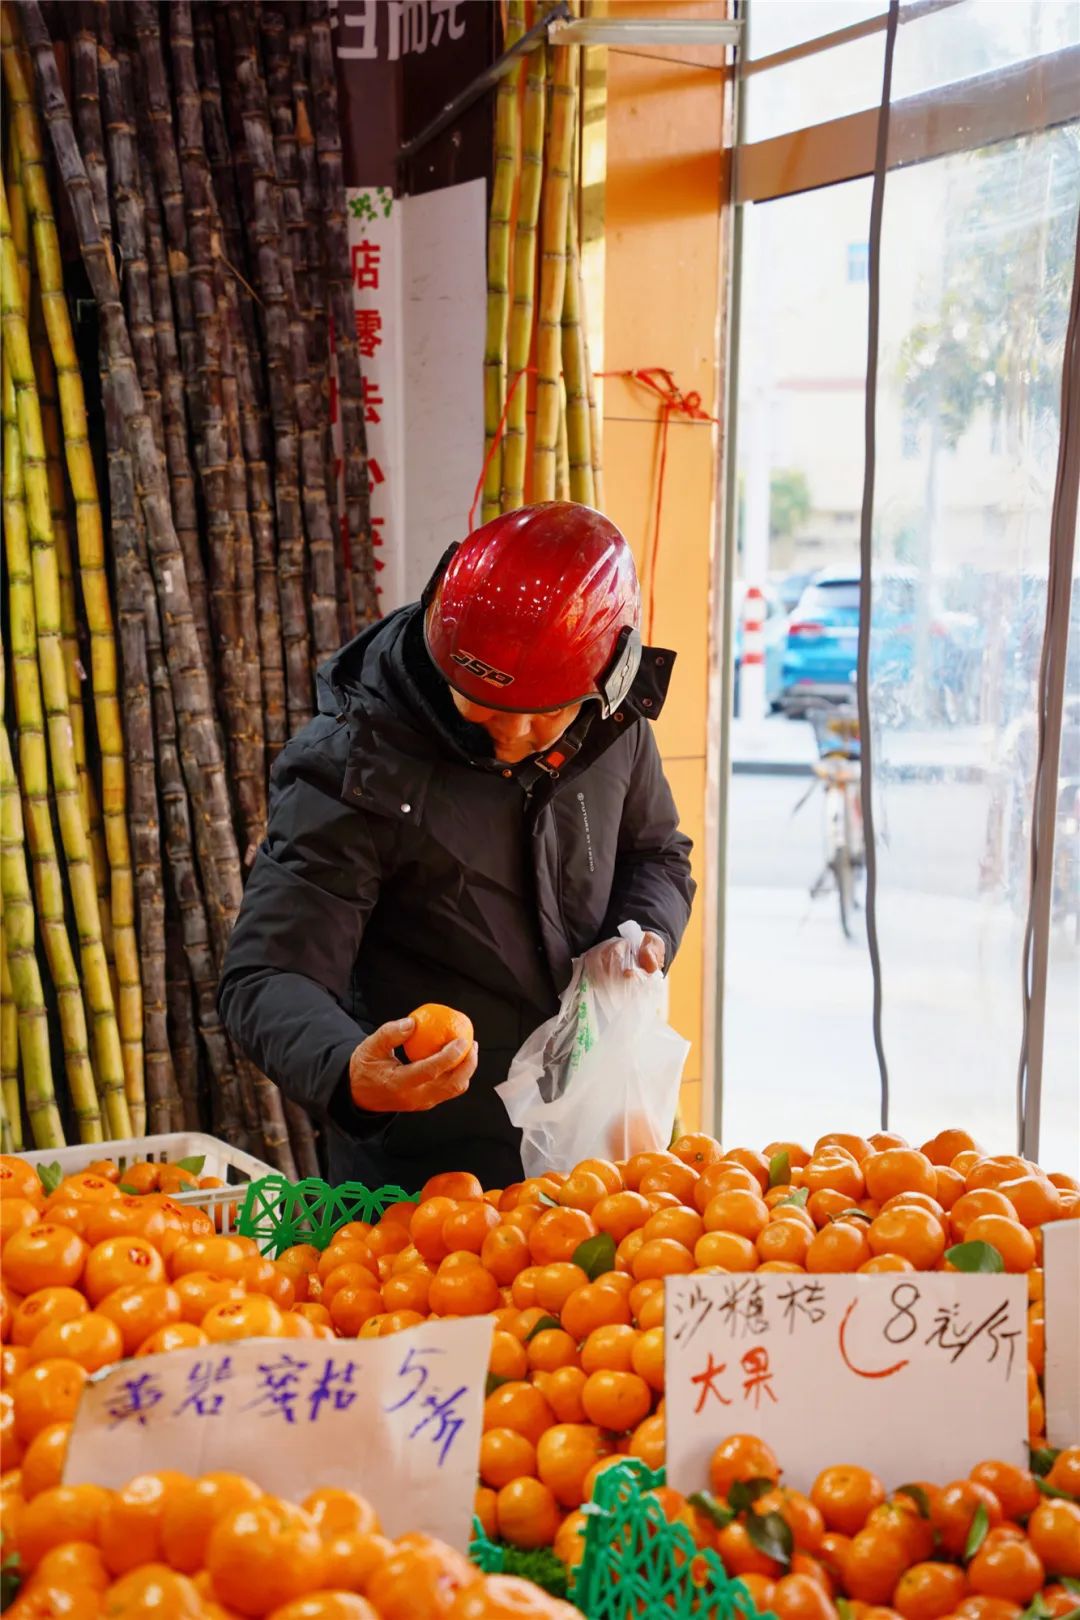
{"points": [[777, 25], [934, 48], [797, 1034], [977, 260], [858, 261]]}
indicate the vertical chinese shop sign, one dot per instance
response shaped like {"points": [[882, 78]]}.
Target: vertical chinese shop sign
{"points": [[375, 262]]}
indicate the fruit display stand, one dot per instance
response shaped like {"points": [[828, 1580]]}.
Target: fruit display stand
{"points": [[204, 1156], [575, 1271]]}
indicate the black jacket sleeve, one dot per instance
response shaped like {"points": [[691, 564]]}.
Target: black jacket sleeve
{"points": [[290, 959], [652, 883]]}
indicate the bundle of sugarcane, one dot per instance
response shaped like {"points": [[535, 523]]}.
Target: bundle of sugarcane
{"points": [[197, 152], [535, 319]]}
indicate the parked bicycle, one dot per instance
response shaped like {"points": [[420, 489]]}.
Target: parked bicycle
{"points": [[838, 773]]}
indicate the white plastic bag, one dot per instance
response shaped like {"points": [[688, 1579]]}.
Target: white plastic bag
{"points": [[601, 1078]]}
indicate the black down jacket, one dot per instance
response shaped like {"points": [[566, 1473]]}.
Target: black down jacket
{"points": [[403, 864]]}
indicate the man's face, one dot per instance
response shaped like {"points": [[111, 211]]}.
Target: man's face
{"points": [[516, 736]]}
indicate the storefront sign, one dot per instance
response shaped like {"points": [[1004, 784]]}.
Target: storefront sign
{"points": [[423, 377], [915, 1376], [396, 1419], [375, 262], [1061, 1286]]}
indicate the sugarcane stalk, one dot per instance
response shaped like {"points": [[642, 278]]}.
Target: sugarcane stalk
{"points": [[27, 990], [311, 290], [34, 769], [237, 642], [265, 236], [183, 1036], [162, 1097], [575, 362], [335, 230], [563, 84], [519, 341], [223, 171], [186, 894], [200, 750], [9, 1055], [562, 452], [45, 375], [87, 107], [95, 592], [507, 164], [174, 404], [318, 521], [109, 1055], [254, 420], [20, 219], [156, 116]]}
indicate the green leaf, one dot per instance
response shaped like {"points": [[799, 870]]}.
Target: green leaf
{"points": [[50, 1176], [1055, 1491], [975, 1257], [132, 1192], [1037, 1609], [596, 1255], [1042, 1460], [552, 1203], [771, 1534], [852, 1214], [745, 1492], [780, 1170], [194, 1164], [918, 1496], [542, 1326], [843, 1608], [797, 1198], [980, 1524], [715, 1511], [1071, 1584], [495, 1381]]}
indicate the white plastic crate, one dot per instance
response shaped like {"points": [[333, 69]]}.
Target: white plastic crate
{"points": [[228, 1164]]}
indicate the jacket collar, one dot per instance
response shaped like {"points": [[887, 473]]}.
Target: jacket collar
{"points": [[368, 685]]}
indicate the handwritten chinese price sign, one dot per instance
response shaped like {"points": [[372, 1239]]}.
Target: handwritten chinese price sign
{"points": [[913, 1376], [397, 1419]]}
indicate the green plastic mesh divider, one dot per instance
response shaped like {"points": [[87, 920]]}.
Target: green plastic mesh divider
{"points": [[278, 1213], [487, 1555], [637, 1564]]}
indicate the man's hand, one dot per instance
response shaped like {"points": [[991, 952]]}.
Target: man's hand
{"points": [[382, 1085], [610, 957]]}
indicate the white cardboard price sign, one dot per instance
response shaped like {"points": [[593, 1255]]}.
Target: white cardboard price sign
{"points": [[913, 1375], [1061, 1283], [396, 1419]]}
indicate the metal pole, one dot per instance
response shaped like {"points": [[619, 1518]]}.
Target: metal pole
{"points": [[724, 639]]}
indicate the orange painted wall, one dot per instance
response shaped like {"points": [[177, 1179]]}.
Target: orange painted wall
{"points": [[665, 187]]}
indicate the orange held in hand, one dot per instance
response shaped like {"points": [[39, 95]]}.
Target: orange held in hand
{"points": [[436, 1027]]}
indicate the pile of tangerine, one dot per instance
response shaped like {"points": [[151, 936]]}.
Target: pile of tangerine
{"points": [[989, 1547], [172, 1547]]}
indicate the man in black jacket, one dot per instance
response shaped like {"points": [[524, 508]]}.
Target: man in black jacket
{"points": [[478, 801]]}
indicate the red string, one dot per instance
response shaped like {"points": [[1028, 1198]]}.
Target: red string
{"points": [[495, 443], [672, 401]]}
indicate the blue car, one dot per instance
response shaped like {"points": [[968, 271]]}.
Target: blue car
{"points": [[822, 649], [776, 636]]}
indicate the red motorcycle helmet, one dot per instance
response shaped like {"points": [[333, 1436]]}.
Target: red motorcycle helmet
{"points": [[537, 610]]}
